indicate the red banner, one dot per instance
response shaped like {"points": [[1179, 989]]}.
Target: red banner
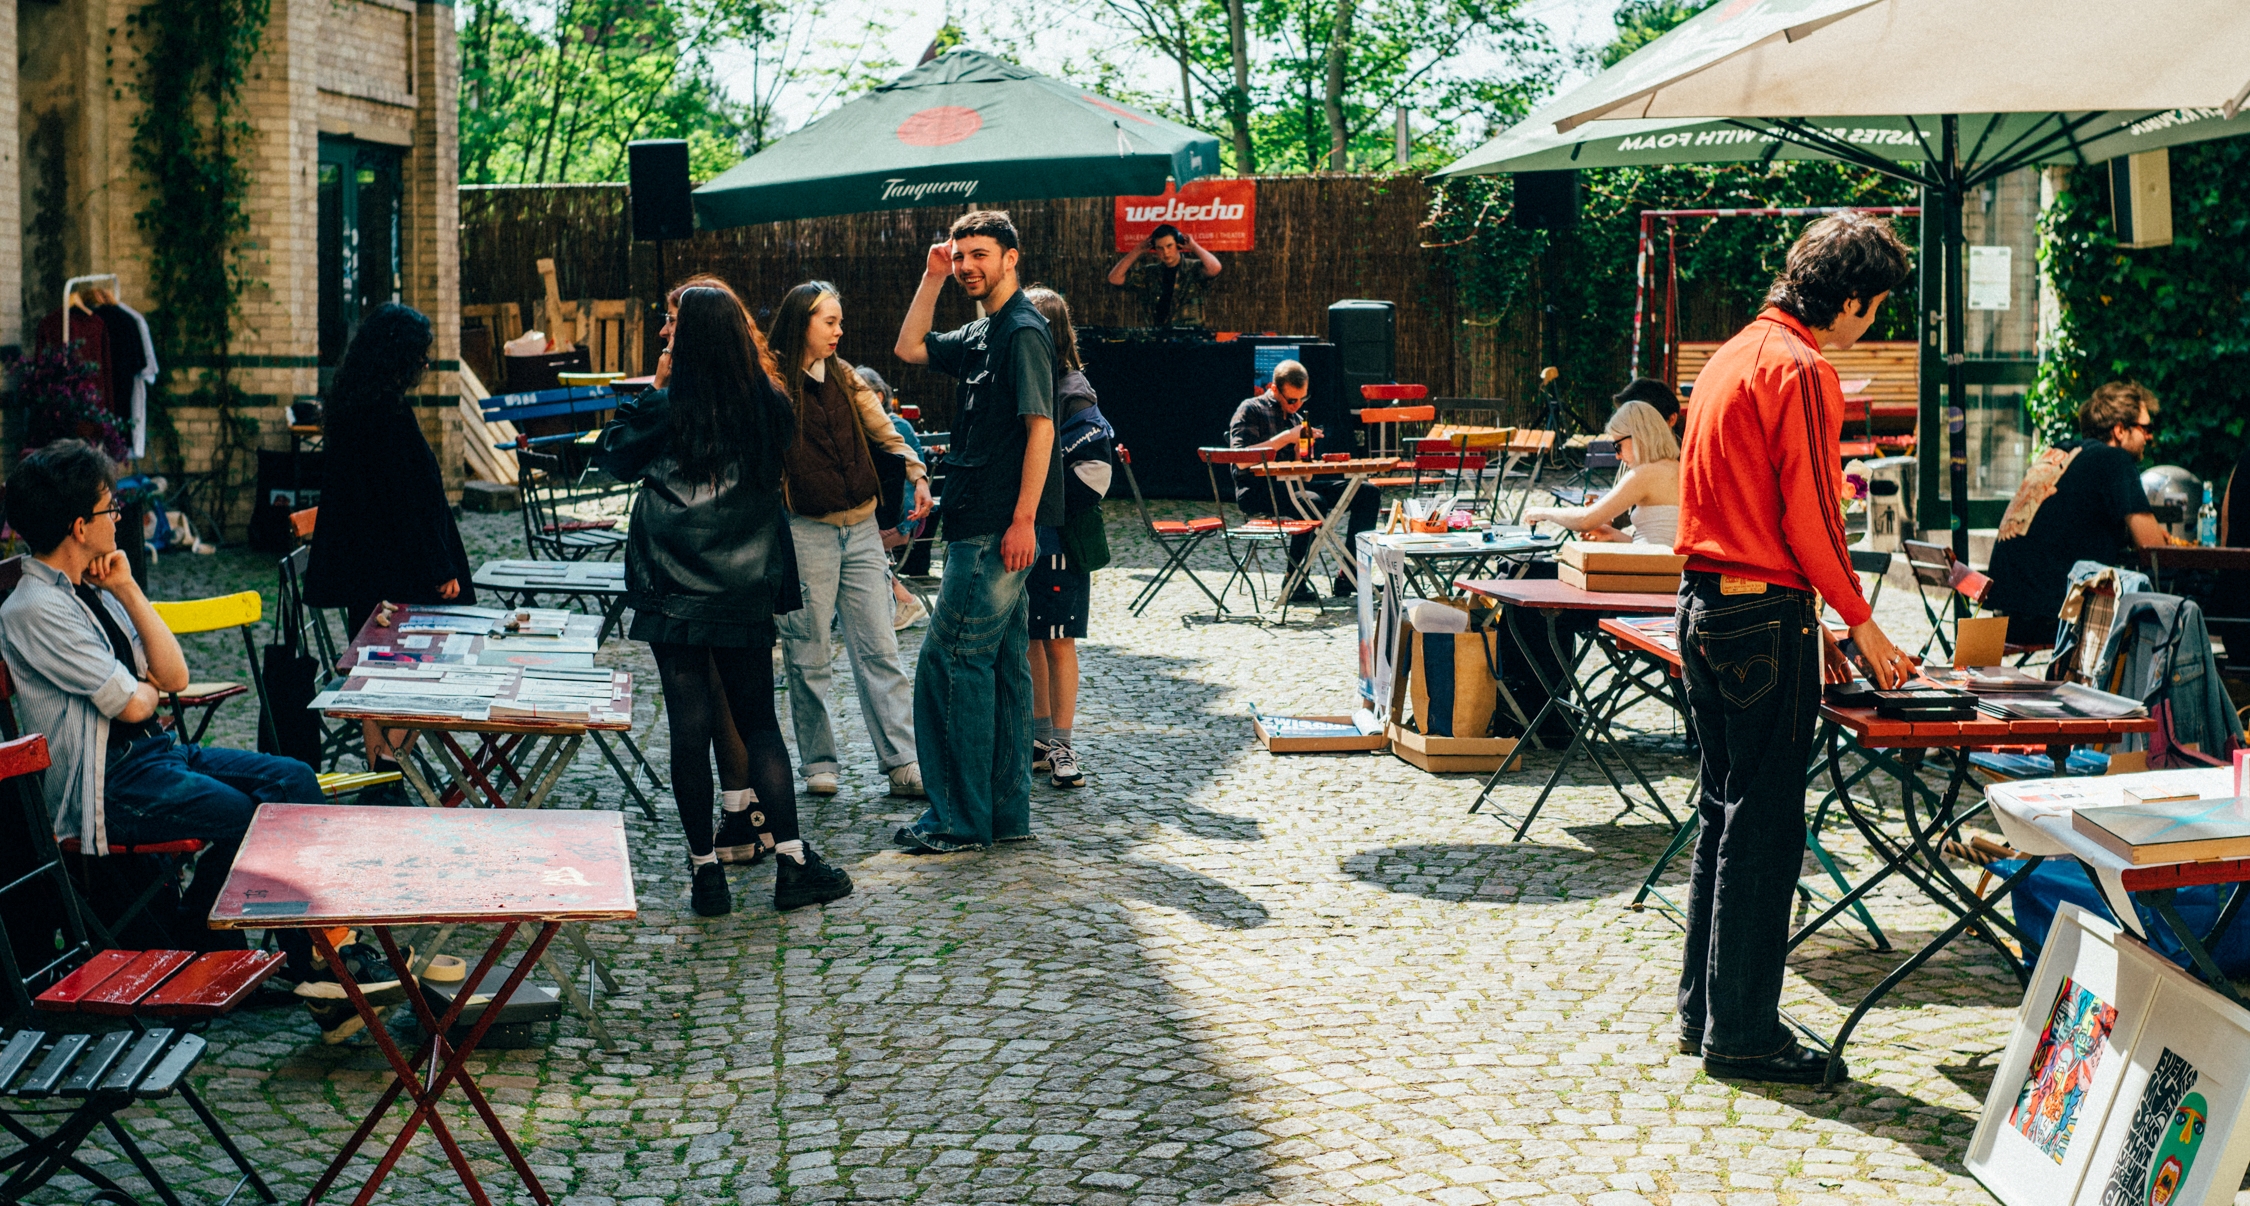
{"points": [[1221, 214]]}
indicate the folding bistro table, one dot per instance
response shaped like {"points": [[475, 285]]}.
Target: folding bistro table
{"points": [[1355, 473], [1569, 695], [525, 582], [315, 866], [1932, 818]]}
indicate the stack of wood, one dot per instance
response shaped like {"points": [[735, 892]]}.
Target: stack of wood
{"points": [[485, 462]]}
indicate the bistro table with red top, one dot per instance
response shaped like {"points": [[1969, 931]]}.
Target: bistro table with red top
{"points": [[319, 866], [1330, 530], [1932, 818], [1569, 694]]}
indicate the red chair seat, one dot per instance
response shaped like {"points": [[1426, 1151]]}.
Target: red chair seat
{"points": [[160, 983], [582, 525], [1291, 527], [72, 845], [1176, 527]]}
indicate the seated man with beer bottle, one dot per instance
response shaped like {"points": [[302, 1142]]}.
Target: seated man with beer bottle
{"points": [[1269, 420]]}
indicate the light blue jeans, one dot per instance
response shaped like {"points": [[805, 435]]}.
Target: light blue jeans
{"points": [[972, 702], [845, 574]]}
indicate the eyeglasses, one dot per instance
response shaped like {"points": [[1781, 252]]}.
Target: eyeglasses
{"points": [[112, 512]]}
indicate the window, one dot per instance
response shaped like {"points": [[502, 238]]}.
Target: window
{"points": [[359, 240]]}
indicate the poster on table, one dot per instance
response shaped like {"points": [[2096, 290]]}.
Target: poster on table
{"points": [[2123, 1084], [1221, 213]]}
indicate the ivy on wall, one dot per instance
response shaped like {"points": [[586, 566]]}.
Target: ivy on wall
{"points": [[191, 152], [2176, 318], [1499, 267]]}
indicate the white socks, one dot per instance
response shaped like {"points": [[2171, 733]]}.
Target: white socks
{"points": [[702, 860], [738, 799], [794, 848]]}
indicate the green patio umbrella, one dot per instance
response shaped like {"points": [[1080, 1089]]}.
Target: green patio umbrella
{"points": [[1947, 94], [962, 128]]}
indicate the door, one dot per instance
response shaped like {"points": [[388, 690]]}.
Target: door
{"points": [[359, 241]]}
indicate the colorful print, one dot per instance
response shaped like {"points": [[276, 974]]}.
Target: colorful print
{"points": [[2157, 1120], [2176, 1157], [2062, 1069]]}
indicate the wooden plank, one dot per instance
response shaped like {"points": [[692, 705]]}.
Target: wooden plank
{"points": [[213, 984], [304, 865], [67, 992], [121, 993]]}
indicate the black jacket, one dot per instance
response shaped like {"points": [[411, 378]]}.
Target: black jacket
{"points": [[696, 551], [386, 530]]}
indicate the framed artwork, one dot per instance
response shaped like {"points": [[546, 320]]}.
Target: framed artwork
{"points": [[2124, 1084], [2175, 1134], [2053, 1088]]}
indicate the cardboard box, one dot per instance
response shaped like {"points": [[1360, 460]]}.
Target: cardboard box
{"points": [[1608, 557], [1319, 745], [1449, 755], [1630, 584]]}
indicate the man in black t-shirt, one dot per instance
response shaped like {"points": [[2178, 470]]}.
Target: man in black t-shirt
{"points": [[2081, 501], [972, 682]]}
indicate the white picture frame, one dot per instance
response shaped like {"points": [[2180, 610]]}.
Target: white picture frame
{"points": [[2086, 1004], [2156, 1147]]}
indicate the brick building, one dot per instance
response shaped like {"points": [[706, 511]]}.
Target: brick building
{"points": [[352, 197]]}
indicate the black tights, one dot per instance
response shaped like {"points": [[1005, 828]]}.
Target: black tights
{"points": [[723, 698]]}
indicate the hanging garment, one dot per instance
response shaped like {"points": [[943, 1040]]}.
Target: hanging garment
{"points": [[91, 335], [141, 381]]}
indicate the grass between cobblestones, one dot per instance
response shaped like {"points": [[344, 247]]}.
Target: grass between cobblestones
{"points": [[1218, 976]]}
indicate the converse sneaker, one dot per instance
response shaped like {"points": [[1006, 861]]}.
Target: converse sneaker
{"points": [[1063, 767], [1042, 755], [813, 881], [907, 780], [737, 840], [710, 897], [331, 1008], [821, 783]]}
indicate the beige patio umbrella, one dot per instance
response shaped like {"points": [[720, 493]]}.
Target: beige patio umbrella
{"points": [[1947, 94]]}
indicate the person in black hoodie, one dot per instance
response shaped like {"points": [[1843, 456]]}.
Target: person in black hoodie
{"points": [[707, 566], [385, 531]]}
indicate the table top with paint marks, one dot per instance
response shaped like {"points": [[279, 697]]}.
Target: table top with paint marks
{"points": [[305, 865]]}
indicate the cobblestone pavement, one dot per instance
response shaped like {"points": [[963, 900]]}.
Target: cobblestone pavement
{"points": [[1218, 976]]}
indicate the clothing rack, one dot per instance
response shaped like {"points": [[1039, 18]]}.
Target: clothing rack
{"points": [[70, 287]]}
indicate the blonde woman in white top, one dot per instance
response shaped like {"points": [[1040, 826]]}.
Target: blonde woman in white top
{"points": [[1650, 488]]}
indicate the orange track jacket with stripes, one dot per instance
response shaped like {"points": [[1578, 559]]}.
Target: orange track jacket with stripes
{"points": [[1760, 482]]}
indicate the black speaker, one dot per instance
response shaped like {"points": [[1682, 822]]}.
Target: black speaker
{"points": [[1546, 200], [661, 209], [1366, 337]]}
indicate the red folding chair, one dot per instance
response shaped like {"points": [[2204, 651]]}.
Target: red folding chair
{"points": [[1177, 537], [1254, 531]]}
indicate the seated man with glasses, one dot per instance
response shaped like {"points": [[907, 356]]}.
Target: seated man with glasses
{"points": [[1272, 419], [2081, 500], [91, 661]]}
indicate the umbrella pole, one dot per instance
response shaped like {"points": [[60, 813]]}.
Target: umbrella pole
{"points": [[1956, 338]]}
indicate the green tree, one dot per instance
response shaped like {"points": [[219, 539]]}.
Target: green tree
{"points": [[552, 90]]}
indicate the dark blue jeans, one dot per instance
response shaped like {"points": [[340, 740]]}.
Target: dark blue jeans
{"points": [[161, 791], [972, 703], [1752, 665]]}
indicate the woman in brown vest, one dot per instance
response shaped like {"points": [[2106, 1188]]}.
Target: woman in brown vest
{"points": [[832, 489]]}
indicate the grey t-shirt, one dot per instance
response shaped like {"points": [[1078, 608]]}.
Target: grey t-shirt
{"points": [[992, 401]]}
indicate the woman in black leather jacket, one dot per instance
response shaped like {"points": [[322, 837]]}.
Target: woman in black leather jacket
{"points": [[707, 565]]}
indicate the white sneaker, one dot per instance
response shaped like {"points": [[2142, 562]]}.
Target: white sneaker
{"points": [[911, 614], [907, 780], [821, 783], [1063, 768]]}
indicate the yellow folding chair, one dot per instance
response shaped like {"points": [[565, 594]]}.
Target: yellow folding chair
{"points": [[241, 611]]}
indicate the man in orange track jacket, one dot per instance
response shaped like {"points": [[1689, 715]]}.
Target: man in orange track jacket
{"points": [[1761, 520]]}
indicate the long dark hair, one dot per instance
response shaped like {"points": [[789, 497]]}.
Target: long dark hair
{"points": [[1055, 308], [724, 413], [388, 355], [790, 322]]}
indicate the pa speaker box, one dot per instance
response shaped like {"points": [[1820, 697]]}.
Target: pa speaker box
{"points": [[659, 176], [1546, 200], [1366, 337], [2140, 199]]}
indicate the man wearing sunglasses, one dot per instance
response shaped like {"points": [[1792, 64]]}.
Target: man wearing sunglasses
{"points": [[2081, 500], [91, 663]]}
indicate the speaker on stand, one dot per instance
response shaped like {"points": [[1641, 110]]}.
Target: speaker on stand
{"points": [[658, 190], [1366, 337]]}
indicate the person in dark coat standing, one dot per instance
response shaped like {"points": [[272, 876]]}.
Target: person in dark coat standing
{"points": [[385, 532]]}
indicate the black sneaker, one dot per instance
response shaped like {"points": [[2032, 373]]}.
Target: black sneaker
{"points": [[1064, 771], [332, 1009], [1342, 587], [1042, 755], [338, 1020], [813, 881], [1795, 1064], [737, 841], [709, 896], [1304, 594]]}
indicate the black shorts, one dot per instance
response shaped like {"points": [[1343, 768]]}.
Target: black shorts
{"points": [[1059, 599]]}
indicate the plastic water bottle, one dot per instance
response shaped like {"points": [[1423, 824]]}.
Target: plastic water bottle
{"points": [[2207, 521]]}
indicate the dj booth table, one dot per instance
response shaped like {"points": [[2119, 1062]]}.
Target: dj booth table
{"points": [[1170, 392]]}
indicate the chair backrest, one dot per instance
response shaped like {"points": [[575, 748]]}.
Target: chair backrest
{"points": [[1932, 563], [1602, 454], [212, 614], [1394, 392], [301, 523], [1466, 462], [303, 628], [538, 475], [1397, 414], [1140, 504], [1212, 458]]}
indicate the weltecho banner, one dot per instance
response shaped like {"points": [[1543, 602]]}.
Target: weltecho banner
{"points": [[1221, 214]]}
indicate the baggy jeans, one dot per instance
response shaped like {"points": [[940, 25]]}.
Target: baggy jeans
{"points": [[845, 574], [972, 702], [1752, 666]]}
